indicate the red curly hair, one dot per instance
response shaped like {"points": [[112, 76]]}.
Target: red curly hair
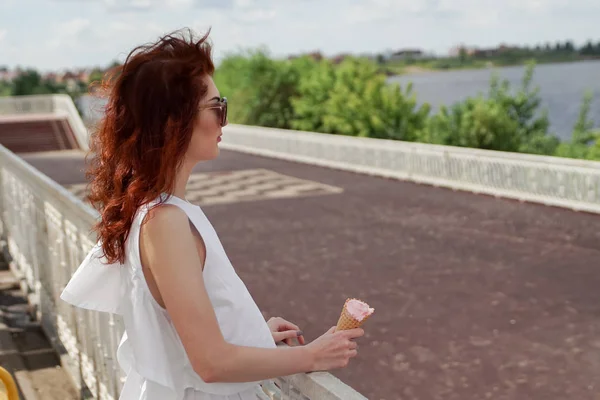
{"points": [[146, 129]]}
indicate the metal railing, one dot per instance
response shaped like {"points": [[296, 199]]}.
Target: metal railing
{"points": [[48, 232]]}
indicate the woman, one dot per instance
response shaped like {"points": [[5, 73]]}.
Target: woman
{"points": [[192, 329]]}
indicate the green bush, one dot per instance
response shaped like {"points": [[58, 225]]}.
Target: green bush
{"points": [[585, 140], [594, 150], [361, 103], [259, 87], [502, 120], [476, 122], [524, 108], [352, 98], [314, 89]]}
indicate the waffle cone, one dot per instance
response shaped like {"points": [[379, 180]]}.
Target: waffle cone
{"points": [[346, 321]]}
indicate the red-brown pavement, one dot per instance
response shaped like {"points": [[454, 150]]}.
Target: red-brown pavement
{"points": [[475, 297]]}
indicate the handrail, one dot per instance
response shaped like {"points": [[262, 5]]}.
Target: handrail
{"points": [[63, 104], [555, 181]]}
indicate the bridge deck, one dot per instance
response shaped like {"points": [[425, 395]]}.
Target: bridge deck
{"points": [[475, 297]]}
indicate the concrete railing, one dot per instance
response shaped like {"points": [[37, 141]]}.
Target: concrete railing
{"points": [[555, 181], [48, 232], [60, 104]]}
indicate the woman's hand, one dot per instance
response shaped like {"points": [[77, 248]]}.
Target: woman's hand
{"points": [[285, 331], [334, 349]]}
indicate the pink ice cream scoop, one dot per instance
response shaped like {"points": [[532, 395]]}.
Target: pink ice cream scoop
{"points": [[358, 310]]}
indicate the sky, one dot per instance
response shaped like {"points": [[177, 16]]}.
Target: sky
{"points": [[57, 34]]}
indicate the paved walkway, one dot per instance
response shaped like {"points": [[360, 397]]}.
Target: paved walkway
{"points": [[475, 297]]}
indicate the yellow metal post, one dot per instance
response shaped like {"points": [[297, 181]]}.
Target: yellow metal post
{"points": [[8, 390]]}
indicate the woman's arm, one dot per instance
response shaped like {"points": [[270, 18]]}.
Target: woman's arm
{"points": [[174, 254]]}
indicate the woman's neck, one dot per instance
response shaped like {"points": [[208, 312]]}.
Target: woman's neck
{"points": [[181, 180]]}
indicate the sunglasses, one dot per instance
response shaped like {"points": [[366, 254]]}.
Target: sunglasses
{"points": [[220, 105]]}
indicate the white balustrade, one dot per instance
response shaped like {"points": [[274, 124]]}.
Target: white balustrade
{"points": [[48, 233], [555, 181]]}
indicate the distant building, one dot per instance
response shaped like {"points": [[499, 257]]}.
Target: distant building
{"points": [[339, 58], [481, 52], [71, 78], [315, 55], [7, 75], [406, 54], [83, 75], [504, 48], [50, 76]]}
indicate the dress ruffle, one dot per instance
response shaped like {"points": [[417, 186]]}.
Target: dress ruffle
{"points": [[96, 285]]}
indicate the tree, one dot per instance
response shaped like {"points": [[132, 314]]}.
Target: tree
{"points": [[361, 103], [585, 141], [30, 82], [260, 88], [314, 88], [587, 49], [5, 89], [114, 64], [524, 107], [96, 76], [558, 47], [462, 55], [582, 131], [569, 46]]}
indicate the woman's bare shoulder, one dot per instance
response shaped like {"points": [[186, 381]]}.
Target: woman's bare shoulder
{"points": [[164, 213], [166, 232]]}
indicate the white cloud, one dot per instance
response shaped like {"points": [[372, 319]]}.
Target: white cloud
{"points": [[65, 33], [179, 3], [95, 32], [129, 5], [481, 18], [255, 16], [245, 3], [2, 34], [132, 6], [73, 27]]}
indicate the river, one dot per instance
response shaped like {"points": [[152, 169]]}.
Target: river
{"points": [[562, 87]]}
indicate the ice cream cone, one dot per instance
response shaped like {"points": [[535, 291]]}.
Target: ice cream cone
{"points": [[348, 321]]}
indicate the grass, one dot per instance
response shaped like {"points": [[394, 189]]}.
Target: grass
{"points": [[400, 67]]}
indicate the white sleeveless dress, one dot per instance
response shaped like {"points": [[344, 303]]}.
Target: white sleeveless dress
{"points": [[150, 352]]}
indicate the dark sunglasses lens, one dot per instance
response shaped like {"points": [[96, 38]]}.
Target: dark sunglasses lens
{"points": [[224, 114]]}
